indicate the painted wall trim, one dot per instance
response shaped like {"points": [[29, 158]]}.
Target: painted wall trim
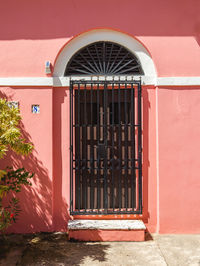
{"points": [[27, 81], [64, 81], [178, 81]]}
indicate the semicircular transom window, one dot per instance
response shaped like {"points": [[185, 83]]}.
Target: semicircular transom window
{"points": [[103, 58]]}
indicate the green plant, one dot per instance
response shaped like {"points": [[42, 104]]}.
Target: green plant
{"points": [[10, 133], [9, 213], [11, 180]]}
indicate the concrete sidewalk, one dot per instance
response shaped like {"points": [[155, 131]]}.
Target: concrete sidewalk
{"points": [[54, 249]]}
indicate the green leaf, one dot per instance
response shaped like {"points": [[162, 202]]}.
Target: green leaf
{"points": [[2, 173]]}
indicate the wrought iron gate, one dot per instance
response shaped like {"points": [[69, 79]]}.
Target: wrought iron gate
{"points": [[106, 147]]}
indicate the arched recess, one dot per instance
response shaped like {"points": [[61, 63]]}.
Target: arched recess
{"points": [[103, 58], [106, 35]]}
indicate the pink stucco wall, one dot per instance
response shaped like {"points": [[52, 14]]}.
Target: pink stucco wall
{"points": [[45, 205], [36, 202], [34, 33], [179, 145]]}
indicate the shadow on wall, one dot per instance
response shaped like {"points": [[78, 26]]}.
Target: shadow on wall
{"points": [[36, 201], [151, 18], [197, 31], [61, 161]]}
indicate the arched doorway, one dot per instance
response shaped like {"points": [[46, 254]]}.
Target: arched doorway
{"points": [[106, 157], [115, 54]]}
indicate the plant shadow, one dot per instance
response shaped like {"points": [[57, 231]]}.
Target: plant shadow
{"points": [[36, 201], [51, 249], [55, 249]]}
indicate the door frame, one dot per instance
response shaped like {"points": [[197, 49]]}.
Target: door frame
{"points": [[137, 86]]}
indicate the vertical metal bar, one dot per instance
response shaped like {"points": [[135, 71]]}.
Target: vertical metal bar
{"points": [[108, 61], [113, 128], [91, 151], [126, 146], [116, 56], [119, 148], [132, 146], [71, 146], [140, 145], [93, 60], [97, 53], [77, 148], [71, 196], [85, 145], [104, 57], [98, 139], [105, 145]]}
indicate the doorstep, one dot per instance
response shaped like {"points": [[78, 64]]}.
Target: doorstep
{"points": [[107, 230]]}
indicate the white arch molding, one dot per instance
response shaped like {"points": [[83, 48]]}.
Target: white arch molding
{"points": [[120, 38]]}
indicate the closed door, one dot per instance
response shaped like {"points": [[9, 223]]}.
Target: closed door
{"points": [[106, 147]]}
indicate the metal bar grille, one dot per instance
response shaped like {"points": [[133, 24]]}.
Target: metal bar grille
{"points": [[103, 58], [106, 147]]}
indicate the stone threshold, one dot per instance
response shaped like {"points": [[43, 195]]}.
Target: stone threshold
{"points": [[106, 225]]}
